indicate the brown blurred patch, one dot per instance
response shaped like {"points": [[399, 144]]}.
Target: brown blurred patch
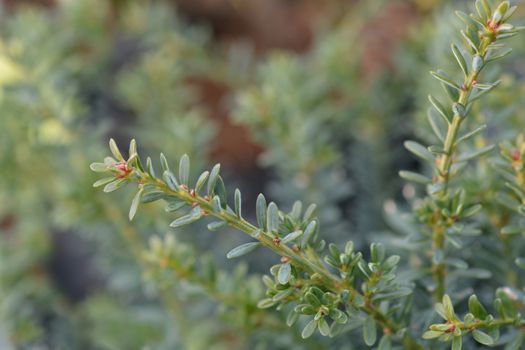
{"points": [[383, 34], [7, 222], [283, 24], [287, 25], [269, 24], [9, 4], [274, 24], [232, 144]]}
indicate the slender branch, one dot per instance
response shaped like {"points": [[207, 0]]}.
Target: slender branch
{"points": [[456, 326], [446, 161], [174, 304], [305, 259], [133, 241], [325, 277], [326, 292]]}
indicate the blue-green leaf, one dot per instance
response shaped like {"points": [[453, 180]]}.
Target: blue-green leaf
{"points": [[467, 20], [272, 217], [385, 343], [432, 334], [164, 162], [470, 40], [149, 166], [436, 124], [476, 308], [284, 274], [260, 209], [201, 180], [216, 204], [220, 190], [369, 331], [448, 308], [114, 150], [470, 211], [184, 169], [212, 181], [214, 226], [266, 303], [99, 167], [194, 215], [173, 207], [441, 110], [309, 232], [439, 75], [482, 337], [460, 59], [498, 55], [291, 236], [309, 212], [471, 134], [309, 329], [103, 181], [135, 204], [132, 149], [457, 343], [415, 177], [238, 203], [419, 150], [115, 185], [170, 180], [323, 327], [475, 154], [242, 250], [292, 318], [152, 196], [282, 294]]}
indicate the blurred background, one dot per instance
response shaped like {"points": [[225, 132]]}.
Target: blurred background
{"points": [[299, 99]]}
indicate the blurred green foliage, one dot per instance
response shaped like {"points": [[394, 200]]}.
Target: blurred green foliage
{"points": [[73, 74]]}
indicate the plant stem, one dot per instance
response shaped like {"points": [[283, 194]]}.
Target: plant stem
{"points": [[444, 166], [325, 277], [445, 163], [133, 241], [498, 322]]}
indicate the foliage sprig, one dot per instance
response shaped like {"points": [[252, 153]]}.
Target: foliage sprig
{"points": [[335, 289], [352, 288], [445, 211]]}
